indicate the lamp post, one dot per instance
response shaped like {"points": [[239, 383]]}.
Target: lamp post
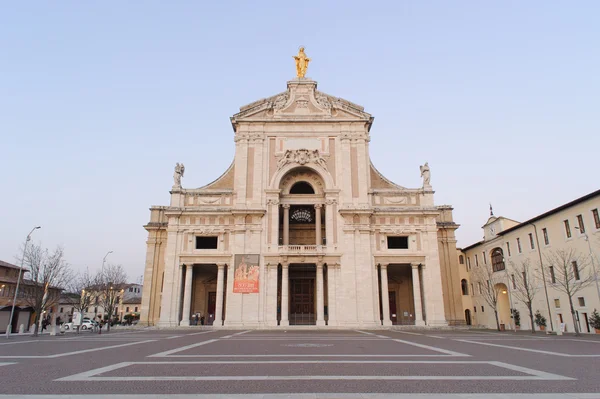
{"points": [[104, 260], [587, 238], [12, 311]]}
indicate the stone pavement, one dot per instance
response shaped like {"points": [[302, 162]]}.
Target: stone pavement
{"points": [[186, 363]]}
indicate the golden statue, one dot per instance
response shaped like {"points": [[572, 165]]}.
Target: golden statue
{"points": [[301, 63]]}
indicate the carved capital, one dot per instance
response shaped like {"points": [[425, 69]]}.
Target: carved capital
{"points": [[285, 206], [318, 206], [273, 201], [330, 201], [415, 265]]}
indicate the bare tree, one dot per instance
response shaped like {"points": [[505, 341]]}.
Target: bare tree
{"points": [[47, 274], [525, 286], [83, 286], [569, 274], [111, 283], [488, 282]]}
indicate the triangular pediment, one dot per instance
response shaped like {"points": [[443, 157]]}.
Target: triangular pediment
{"points": [[302, 101]]}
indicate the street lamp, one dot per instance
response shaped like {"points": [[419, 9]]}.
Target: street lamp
{"points": [[104, 259], [592, 259], [12, 311]]}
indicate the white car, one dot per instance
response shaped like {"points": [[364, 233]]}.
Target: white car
{"points": [[87, 324], [68, 326]]}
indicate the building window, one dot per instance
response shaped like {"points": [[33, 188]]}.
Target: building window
{"points": [[206, 242], [546, 239], [127, 309], [567, 228], [464, 287], [512, 277], [488, 285], [397, 242], [482, 309], [476, 260], [474, 309], [557, 303], [575, 270], [581, 301], [461, 260], [135, 309], [508, 248], [581, 225], [469, 262], [524, 275], [472, 290], [498, 260], [552, 275], [519, 245], [61, 310], [531, 244], [484, 258], [596, 218], [479, 286]]}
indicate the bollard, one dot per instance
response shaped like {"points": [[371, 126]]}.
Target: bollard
{"points": [[22, 329]]}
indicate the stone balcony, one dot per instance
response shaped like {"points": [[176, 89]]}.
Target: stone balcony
{"points": [[302, 249]]}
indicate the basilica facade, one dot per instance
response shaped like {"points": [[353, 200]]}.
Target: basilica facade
{"points": [[301, 230]]}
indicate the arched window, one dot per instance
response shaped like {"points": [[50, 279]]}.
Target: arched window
{"points": [[498, 260], [302, 187], [464, 287], [461, 259]]}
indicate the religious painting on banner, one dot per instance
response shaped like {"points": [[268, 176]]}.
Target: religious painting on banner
{"points": [[245, 274]]}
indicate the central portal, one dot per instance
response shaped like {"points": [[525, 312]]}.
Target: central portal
{"points": [[302, 295]]}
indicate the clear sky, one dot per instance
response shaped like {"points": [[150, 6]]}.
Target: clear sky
{"points": [[99, 100]]}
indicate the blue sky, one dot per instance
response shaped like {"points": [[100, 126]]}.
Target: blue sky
{"points": [[98, 101]]}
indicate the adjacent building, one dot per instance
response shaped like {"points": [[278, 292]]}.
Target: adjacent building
{"points": [[302, 229], [572, 229]]}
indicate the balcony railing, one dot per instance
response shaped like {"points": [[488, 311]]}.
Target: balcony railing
{"points": [[302, 249]]}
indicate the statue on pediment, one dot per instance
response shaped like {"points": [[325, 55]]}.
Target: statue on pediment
{"points": [[179, 170], [425, 174], [301, 63]]}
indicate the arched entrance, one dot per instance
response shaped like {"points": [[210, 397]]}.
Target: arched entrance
{"points": [[504, 318], [468, 316]]}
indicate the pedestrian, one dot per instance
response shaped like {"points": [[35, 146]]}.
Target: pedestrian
{"points": [[101, 324]]}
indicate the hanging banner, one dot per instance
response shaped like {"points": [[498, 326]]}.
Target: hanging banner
{"points": [[245, 274]]}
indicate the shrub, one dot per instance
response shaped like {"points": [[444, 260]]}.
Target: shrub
{"points": [[517, 317], [539, 320], [594, 320]]}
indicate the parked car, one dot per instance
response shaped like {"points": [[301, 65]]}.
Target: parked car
{"points": [[87, 324], [68, 326]]}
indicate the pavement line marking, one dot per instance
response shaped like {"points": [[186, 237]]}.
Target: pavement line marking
{"points": [[26, 342], [432, 348], [235, 335], [183, 348], [406, 332], [74, 352], [525, 349], [6, 363], [92, 375], [200, 333], [370, 333], [306, 339], [299, 356], [174, 336], [321, 396]]}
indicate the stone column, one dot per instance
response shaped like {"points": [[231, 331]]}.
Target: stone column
{"points": [[178, 296], [331, 305], [385, 296], [286, 224], [318, 224], [219, 305], [417, 295], [187, 296], [285, 303], [320, 296]]}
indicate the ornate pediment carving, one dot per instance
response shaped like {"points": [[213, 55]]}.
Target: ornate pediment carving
{"points": [[301, 157]]}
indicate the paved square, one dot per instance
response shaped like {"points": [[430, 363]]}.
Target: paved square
{"points": [[308, 363]]}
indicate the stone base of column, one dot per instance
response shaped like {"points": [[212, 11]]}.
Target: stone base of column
{"points": [[387, 323], [320, 322], [285, 323], [218, 323], [437, 323], [166, 324], [184, 323], [419, 323]]}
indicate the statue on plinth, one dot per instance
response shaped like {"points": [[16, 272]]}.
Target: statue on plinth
{"points": [[179, 170], [425, 174], [301, 62]]}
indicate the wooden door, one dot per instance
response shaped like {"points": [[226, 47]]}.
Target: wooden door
{"points": [[393, 313]]}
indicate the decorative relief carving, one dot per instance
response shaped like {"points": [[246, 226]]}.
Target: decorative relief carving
{"points": [[273, 201], [281, 100], [322, 100], [330, 201], [209, 200], [301, 157], [302, 103], [395, 200]]}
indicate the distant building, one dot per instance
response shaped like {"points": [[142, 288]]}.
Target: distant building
{"points": [[507, 243], [24, 313]]}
